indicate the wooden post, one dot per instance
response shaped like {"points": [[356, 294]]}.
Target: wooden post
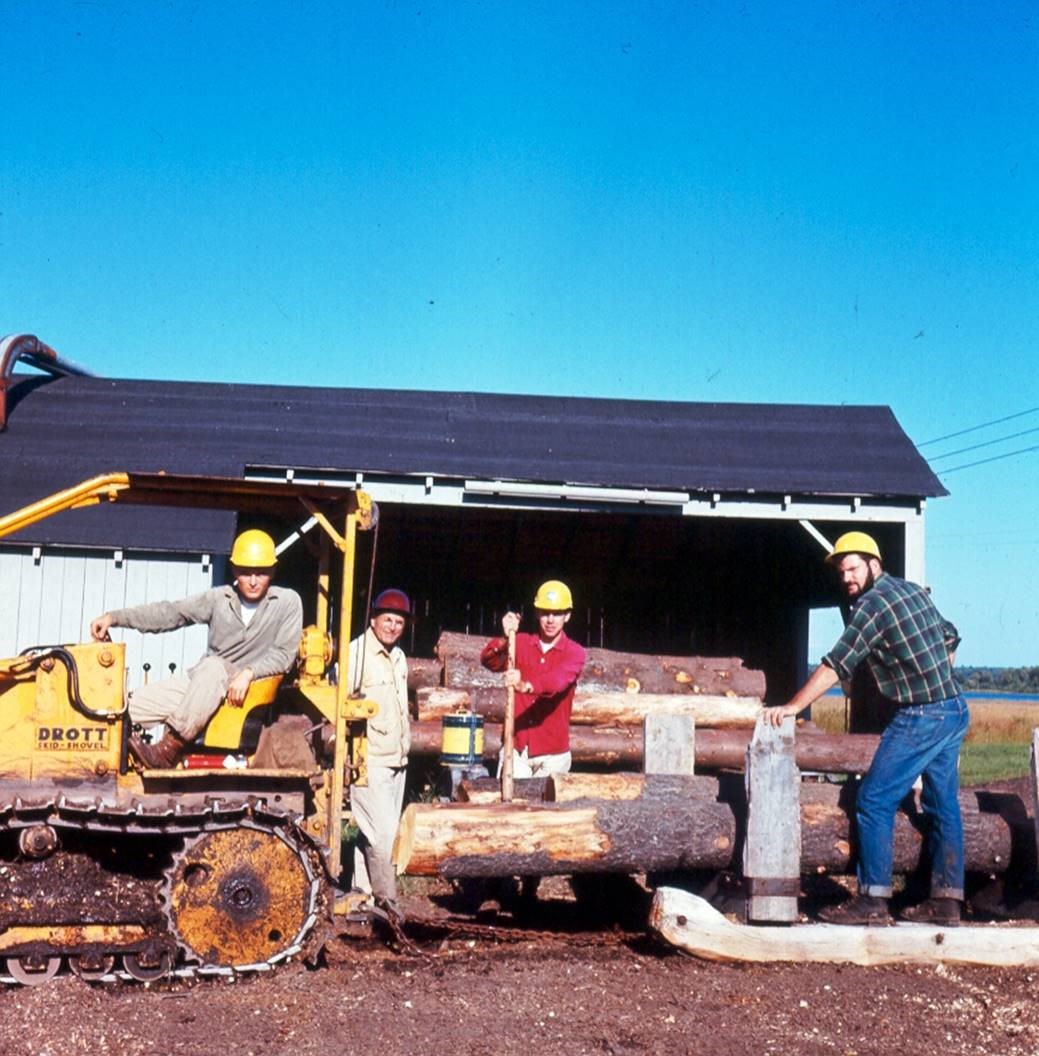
{"points": [[668, 744], [772, 850], [508, 737]]}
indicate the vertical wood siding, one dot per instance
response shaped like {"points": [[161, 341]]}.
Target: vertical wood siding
{"points": [[51, 597]]}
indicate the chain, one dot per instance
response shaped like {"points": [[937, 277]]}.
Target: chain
{"points": [[454, 926]]}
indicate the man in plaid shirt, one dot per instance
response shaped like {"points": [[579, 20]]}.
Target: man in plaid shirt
{"points": [[894, 627]]}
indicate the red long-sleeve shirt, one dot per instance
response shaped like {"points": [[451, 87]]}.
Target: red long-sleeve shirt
{"points": [[542, 716]]}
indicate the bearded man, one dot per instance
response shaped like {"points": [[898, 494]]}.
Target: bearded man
{"points": [[894, 628]]}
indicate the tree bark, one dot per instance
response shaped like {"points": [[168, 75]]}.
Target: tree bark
{"points": [[715, 749], [606, 671], [488, 789], [676, 824], [423, 672]]}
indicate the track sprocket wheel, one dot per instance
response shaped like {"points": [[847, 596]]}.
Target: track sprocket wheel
{"points": [[239, 897]]}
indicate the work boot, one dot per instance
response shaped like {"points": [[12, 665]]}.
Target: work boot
{"points": [[162, 756], [945, 911], [354, 904], [862, 909], [391, 907]]}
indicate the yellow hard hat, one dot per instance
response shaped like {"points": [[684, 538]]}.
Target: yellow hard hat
{"points": [[854, 543], [254, 549], [553, 596]]}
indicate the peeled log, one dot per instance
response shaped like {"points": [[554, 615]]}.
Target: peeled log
{"points": [[565, 788], [715, 749], [558, 788], [600, 709], [432, 703], [606, 670], [631, 709], [695, 926], [676, 824]]}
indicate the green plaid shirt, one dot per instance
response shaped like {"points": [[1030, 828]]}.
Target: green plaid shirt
{"points": [[904, 639]]}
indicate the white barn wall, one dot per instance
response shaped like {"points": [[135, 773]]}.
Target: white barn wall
{"points": [[49, 595]]}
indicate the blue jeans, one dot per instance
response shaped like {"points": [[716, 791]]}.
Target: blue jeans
{"points": [[921, 740]]}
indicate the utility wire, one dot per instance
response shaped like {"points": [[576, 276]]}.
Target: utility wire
{"points": [[994, 458], [975, 428], [985, 443]]}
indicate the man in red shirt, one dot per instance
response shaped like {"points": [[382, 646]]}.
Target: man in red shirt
{"points": [[544, 679]]}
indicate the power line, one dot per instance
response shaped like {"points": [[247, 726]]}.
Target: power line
{"points": [[975, 428], [994, 458], [985, 443]]}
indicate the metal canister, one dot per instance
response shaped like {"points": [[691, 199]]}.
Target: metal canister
{"points": [[461, 741]]}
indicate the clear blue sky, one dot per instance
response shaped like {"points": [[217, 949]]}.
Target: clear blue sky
{"points": [[747, 201]]}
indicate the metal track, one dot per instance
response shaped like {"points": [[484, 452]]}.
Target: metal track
{"points": [[179, 818]]}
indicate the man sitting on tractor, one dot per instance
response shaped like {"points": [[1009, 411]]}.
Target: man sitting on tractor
{"points": [[254, 632]]}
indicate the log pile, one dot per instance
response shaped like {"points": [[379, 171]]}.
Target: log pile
{"points": [[615, 689], [675, 823], [607, 671], [609, 710], [715, 749]]}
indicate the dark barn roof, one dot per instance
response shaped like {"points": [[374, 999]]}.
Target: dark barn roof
{"points": [[63, 430]]}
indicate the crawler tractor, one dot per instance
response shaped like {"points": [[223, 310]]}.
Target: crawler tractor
{"points": [[194, 870]]}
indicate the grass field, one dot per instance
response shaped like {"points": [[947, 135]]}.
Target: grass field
{"points": [[981, 763], [997, 746]]}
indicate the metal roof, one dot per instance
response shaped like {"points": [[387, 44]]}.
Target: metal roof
{"points": [[63, 430]]}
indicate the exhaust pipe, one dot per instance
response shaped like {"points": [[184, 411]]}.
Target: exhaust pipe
{"points": [[27, 348]]}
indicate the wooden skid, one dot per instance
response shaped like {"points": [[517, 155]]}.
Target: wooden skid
{"points": [[695, 926]]}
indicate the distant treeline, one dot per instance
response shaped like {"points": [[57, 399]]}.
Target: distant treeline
{"points": [[999, 679]]}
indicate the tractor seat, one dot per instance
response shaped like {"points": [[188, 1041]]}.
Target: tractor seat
{"points": [[237, 730]]}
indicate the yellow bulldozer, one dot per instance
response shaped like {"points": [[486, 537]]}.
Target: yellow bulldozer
{"points": [[196, 870]]}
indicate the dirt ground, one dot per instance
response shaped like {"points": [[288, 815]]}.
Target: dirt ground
{"points": [[594, 991], [597, 989]]}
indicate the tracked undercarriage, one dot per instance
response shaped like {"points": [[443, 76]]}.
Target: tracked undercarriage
{"points": [[153, 887]]}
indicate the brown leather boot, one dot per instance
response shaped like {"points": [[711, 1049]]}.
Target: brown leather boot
{"points": [[944, 911], [162, 756], [869, 910]]}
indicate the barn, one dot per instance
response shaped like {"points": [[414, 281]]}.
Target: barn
{"points": [[681, 527]]}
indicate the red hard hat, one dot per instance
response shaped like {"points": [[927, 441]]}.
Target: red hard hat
{"points": [[392, 600]]}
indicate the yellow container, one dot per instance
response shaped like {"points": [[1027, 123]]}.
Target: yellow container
{"points": [[461, 742]]}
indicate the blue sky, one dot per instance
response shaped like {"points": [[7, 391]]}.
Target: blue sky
{"points": [[749, 201]]}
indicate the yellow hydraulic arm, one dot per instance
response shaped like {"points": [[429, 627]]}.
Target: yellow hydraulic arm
{"points": [[91, 492]]}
